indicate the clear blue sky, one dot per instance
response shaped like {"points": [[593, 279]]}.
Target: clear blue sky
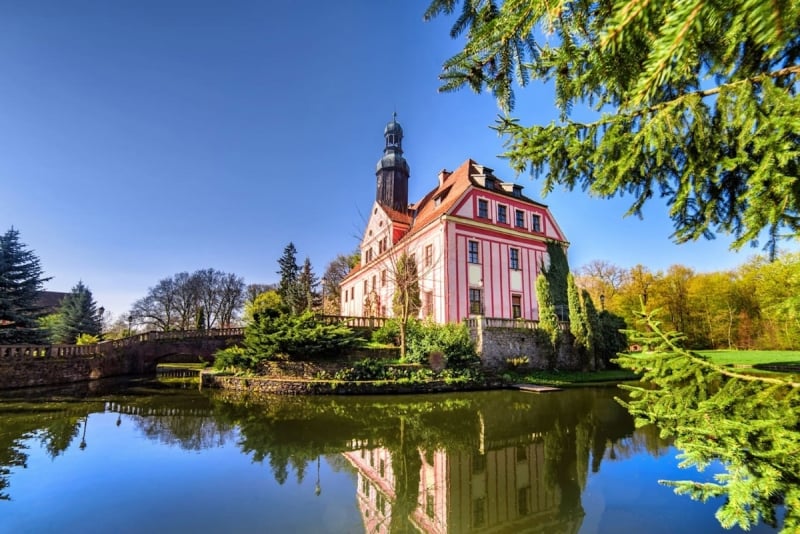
{"points": [[139, 139]]}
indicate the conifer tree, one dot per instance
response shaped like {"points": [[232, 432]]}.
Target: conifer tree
{"points": [[79, 315], [556, 272], [692, 101], [749, 425], [307, 283], [289, 287], [578, 320], [20, 283], [548, 320], [592, 327], [200, 319], [611, 338]]}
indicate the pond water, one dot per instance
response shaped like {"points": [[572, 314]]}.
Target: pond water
{"points": [[146, 456]]}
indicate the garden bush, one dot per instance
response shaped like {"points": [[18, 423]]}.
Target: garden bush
{"points": [[296, 337], [451, 340], [233, 358], [388, 334]]}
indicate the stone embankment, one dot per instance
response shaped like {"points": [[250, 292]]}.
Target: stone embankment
{"points": [[263, 385]]}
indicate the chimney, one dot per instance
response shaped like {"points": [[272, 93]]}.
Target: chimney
{"points": [[443, 175]]}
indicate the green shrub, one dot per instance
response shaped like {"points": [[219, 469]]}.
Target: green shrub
{"points": [[296, 337], [368, 369], [388, 334], [451, 340], [87, 339], [233, 358]]}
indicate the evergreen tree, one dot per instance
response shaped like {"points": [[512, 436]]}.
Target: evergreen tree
{"points": [[749, 425], [289, 287], [307, 283], [556, 273], [79, 315], [693, 101], [20, 283], [200, 319], [406, 301], [611, 339], [592, 326], [578, 321], [548, 320]]}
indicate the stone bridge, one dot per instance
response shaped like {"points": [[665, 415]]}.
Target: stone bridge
{"points": [[140, 354], [39, 365]]}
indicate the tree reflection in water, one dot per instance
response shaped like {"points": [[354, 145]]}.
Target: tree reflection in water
{"points": [[751, 425], [436, 463], [452, 463]]}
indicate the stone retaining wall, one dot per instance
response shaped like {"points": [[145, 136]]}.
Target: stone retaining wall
{"points": [[495, 345], [25, 371]]}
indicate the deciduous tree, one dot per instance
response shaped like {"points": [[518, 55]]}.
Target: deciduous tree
{"points": [[406, 301], [335, 272], [174, 302]]}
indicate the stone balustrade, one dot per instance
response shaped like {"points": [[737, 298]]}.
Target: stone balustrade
{"points": [[66, 351], [499, 322], [353, 322]]}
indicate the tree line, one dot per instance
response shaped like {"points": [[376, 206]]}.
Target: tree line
{"points": [[23, 319], [204, 299], [755, 306]]}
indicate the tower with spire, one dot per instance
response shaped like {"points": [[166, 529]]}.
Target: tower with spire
{"points": [[392, 170]]}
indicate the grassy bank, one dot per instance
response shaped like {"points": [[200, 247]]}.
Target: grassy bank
{"points": [[752, 357], [572, 378]]}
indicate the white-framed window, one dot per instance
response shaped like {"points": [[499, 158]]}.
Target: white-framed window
{"points": [[536, 223], [513, 258], [516, 306], [473, 256], [502, 213], [475, 301], [483, 208], [519, 219]]}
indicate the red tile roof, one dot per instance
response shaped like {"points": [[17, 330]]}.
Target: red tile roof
{"points": [[450, 191], [397, 216]]}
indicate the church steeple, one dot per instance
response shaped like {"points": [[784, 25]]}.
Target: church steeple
{"points": [[392, 170]]}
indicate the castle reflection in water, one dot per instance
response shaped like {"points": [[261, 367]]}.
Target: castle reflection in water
{"points": [[503, 488]]}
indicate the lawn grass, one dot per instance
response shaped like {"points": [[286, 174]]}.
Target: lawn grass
{"points": [[751, 357], [574, 378], [198, 366]]}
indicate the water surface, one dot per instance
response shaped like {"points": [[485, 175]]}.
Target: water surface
{"points": [[143, 456]]}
